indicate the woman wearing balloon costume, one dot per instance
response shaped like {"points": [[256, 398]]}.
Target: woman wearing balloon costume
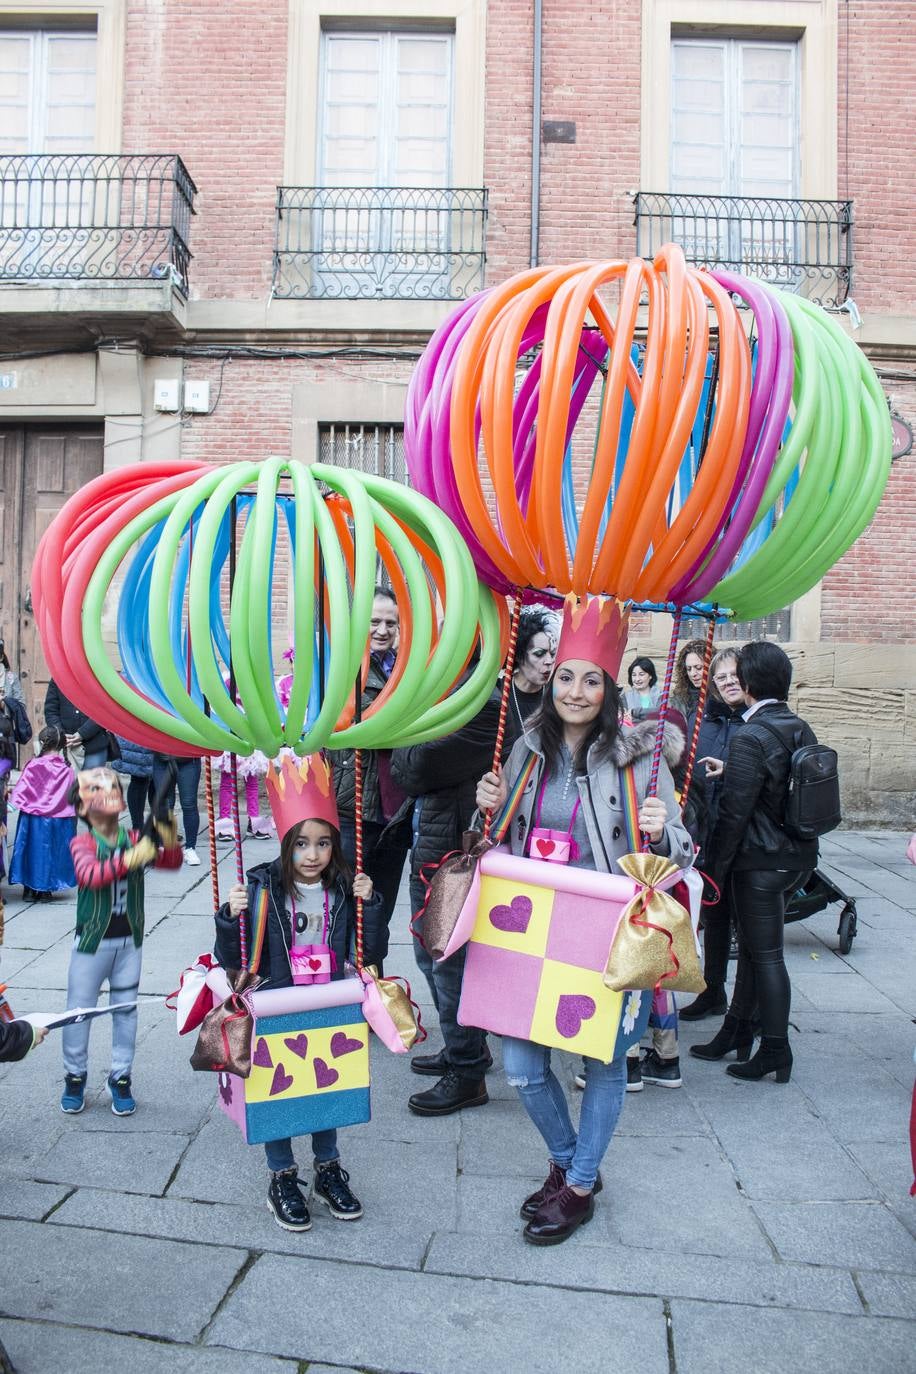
{"points": [[580, 746], [299, 911]]}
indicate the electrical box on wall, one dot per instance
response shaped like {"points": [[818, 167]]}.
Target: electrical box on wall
{"points": [[197, 397], [165, 393]]}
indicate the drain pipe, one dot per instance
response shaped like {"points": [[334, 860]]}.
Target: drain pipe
{"points": [[536, 137]]}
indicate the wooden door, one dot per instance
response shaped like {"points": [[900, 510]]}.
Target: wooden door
{"points": [[40, 467]]}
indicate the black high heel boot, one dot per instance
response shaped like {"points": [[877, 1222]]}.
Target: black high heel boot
{"points": [[774, 1056], [732, 1035]]}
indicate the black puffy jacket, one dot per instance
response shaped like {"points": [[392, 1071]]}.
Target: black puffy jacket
{"points": [[342, 760], [752, 803], [60, 711], [274, 965], [444, 773]]}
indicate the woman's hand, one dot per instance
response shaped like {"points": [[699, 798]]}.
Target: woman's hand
{"points": [[492, 791], [362, 887], [714, 767], [238, 900], [652, 817]]}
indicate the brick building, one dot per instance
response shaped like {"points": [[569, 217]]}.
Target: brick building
{"points": [[281, 200]]}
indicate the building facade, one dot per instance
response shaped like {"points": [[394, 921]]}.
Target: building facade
{"points": [[228, 229]]}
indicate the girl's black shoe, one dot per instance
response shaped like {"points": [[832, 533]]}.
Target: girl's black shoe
{"points": [[732, 1035], [285, 1200], [332, 1187], [774, 1056]]}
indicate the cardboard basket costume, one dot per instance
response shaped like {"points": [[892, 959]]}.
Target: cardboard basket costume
{"points": [[309, 1063], [310, 1043], [537, 955]]}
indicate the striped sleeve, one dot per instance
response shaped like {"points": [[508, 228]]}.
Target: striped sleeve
{"points": [[91, 871]]}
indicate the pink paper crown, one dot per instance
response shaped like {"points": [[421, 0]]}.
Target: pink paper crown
{"points": [[594, 630], [300, 790]]}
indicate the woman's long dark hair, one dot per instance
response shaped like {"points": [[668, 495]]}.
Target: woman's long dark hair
{"points": [[337, 868], [605, 728]]}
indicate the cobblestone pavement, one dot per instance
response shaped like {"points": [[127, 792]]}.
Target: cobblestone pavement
{"points": [[742, 1226]]}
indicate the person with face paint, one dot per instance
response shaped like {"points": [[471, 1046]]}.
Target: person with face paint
{"points": [[109, 863], [580, 746]]}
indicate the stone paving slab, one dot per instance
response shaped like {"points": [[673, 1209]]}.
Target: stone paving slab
{"points": [[706, 1338], [381, 1239], [43, 1347], [856, 1235], [888, 1295], [130, 1161], [29, 1201], [152, 1287], [630, 1269], [443, 1325]]}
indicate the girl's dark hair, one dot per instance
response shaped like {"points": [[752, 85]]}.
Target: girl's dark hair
{"points": [[532, 621], [681, 686], [647, 666], [337, 868], [52, 739], [605, 728]]}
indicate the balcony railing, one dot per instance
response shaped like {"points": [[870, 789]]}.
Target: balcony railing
{"points": [[803, 246], [387, 242], [95, 217]]}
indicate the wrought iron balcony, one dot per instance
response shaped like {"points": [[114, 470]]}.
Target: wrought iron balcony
{"points": [[379, 243], [95, 217], [803, 246]]}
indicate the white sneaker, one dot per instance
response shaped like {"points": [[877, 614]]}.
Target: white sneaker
{"points": [[191, 858]]}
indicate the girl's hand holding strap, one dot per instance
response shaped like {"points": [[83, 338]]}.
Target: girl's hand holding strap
{"points": [[238, 899], [362, 887], [492, 792], [652, 817]]}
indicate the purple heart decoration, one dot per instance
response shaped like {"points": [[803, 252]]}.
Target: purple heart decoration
{"points": [[324, 1074], [341, 1045], [281, 1081], [514, 918], [572, 1010], [261, 1057], [299, 1044]]}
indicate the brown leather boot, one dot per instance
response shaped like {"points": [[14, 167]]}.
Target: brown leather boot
{"points": [[559, 1217]]}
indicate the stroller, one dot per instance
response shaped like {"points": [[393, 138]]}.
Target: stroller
{"points": [[818, 893]]}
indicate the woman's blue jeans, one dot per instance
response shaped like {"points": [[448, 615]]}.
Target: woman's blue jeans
{"points": [[528, 1069], [280, 1152]]}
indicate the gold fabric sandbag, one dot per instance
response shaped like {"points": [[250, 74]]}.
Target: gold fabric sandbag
{"points": [[224, 1039], [641, 956], [399, 1007]]}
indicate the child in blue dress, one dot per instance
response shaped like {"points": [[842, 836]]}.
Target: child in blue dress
{"points": [[47, 821]]}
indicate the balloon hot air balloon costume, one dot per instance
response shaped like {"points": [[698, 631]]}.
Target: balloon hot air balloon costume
{"points": [[197, 555], [727, 473]]}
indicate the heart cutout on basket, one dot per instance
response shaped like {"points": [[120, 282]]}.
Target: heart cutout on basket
{"points": [[572, 1010], [325, 1076], [281, 1081], [514, 919], [342, 1044], [299, 1044], [262, 1057]]}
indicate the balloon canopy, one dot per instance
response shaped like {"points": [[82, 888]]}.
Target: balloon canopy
{"points": [[198, 557], [708, 467]]}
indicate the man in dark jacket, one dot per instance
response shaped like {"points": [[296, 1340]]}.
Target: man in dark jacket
{"points": [[81, 732], [442, 775], [386, 840], [762, 862]]}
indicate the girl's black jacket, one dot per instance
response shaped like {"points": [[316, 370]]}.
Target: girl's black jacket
{"points": [[274, 965]]}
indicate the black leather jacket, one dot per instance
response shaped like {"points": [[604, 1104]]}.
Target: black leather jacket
{"points": [[748, 832]]}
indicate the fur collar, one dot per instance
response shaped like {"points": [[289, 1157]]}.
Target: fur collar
{"points": [[634, 741]]}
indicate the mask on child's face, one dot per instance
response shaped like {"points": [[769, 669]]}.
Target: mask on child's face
{"points": [[100, 790]]}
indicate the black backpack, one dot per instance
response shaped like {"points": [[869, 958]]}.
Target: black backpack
{"points": [[813, 799]]}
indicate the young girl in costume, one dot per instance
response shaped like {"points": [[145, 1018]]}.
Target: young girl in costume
{"points": [[47, 821], [304, 897], [581, 752]]}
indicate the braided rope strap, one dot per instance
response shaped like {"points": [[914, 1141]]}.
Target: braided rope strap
{"points": [[504, 698], [663, 713], [358, 833], [211, 824], [701, 707]]}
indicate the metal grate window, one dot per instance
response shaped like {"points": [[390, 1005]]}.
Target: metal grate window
{"points": [[777, 626], [377, 449]]}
